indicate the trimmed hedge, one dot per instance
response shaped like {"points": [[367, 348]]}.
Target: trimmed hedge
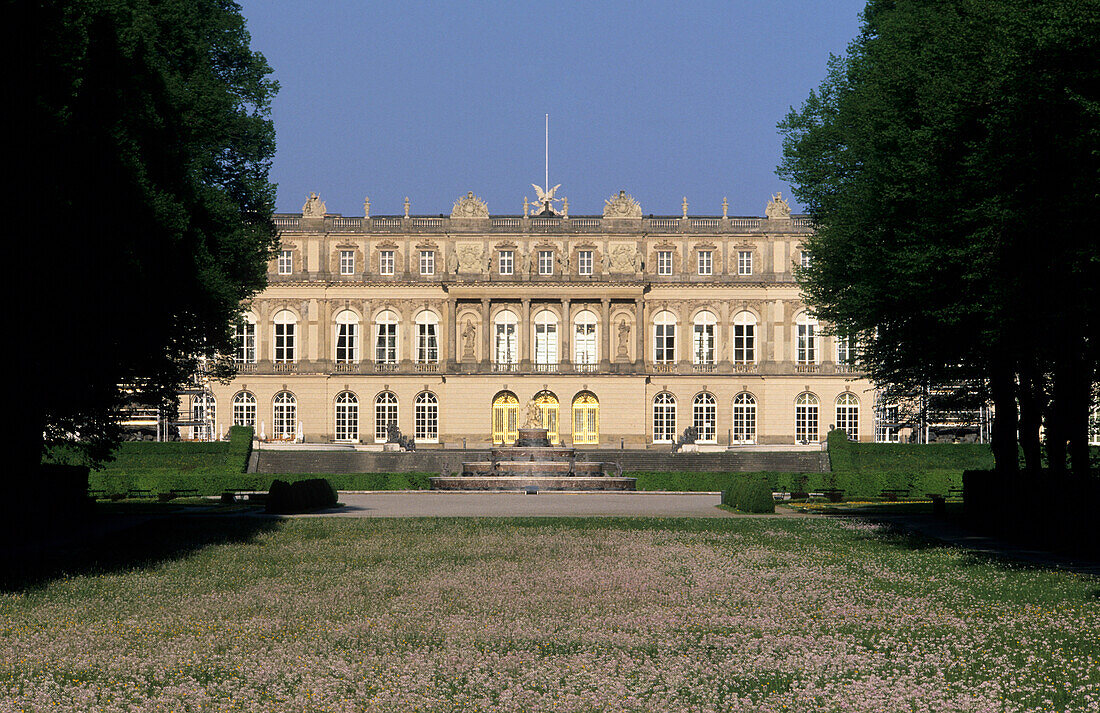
{"points": [[848, 456], [854, 485], [302, 496], [750, 495]]}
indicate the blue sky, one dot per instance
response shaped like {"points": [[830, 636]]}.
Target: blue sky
{"points": [[432, 99]]}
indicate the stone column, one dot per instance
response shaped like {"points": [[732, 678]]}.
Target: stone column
{"points": [[366, 339], [605, 334], [724, 339], [565, 357], [449, 347], [525, 328], [639, 333], [486, 339]]}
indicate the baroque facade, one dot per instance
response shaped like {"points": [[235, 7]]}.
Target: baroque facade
{"points": [[624, 329]]}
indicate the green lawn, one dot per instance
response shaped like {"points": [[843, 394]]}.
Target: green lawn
{"points": [[766, 614]]}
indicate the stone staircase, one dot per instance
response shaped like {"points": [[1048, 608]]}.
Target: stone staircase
{"points": [[306, 460]]}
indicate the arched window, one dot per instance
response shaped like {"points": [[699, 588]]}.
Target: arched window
{"points": [[704, 416], [427, 338], [744, 338], [426, 417], [505, 418], [203, 412], [847, 414], [244, 409], [347, 416], [805, 418], [702, 338], [546, 338], [744, 418], [548, 414], [244, 339], [807, 340], [347, 337], [385, 342], [586, 418], [664, 338], [284, 416], [664, 418], [584, 340], [506, 346], [385, 415], [285, 332]]}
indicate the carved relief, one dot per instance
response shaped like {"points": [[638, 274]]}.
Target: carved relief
{"points": [[777, 208], [625, 258], [470, 257], [470, 206], [622, 206], [314, 207]]}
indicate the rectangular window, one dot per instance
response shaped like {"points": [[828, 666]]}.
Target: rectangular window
{"points": [[427, 262], [665, 343], [805, 259], [506, 262], [584, 343], [744, 262], [245, 338], [546, 343], [385, 262], [546, 262], [744, 343], [427, 344], [584, 262], [347, 343], [286, 262], [886, 424], [506, 347], [284, 343], [844, 350], [385, 346], [664, 262], [706, 264], [347, 262], [807, 344], [702, 347]]}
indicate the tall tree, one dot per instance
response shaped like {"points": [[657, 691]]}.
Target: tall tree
{"points": [[951, 163], [144, 208]]}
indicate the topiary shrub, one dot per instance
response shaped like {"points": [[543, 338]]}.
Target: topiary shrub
{"points": [[750, 495]]}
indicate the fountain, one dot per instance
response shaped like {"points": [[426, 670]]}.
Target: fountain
{"points": [[534, 463]]}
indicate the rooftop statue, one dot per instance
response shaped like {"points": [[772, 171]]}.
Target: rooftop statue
{"points": [[546, 199]]}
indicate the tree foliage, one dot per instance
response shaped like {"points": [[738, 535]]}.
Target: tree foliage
{"points": [[145, 204], [950, 160]]}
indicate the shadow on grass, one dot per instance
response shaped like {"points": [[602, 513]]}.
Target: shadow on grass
{"points": [[96, 549], [974, 548]]}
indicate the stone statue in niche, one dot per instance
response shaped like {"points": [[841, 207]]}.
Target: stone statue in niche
{"points": [[314, 207], [524, 263], [469, 337], [452, 263], [624, 339]]}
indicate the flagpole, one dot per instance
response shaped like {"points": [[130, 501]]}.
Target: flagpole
{"points": [[547, 184]]}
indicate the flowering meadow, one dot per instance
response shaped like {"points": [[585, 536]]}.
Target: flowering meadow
{"points": [[747, 614]]}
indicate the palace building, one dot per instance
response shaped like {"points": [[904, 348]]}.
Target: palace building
{"points": [[624, 329]]}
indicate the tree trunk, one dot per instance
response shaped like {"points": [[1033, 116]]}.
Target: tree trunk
{"points": [[1032, 398], [1056, 422], [1002, 386]]}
